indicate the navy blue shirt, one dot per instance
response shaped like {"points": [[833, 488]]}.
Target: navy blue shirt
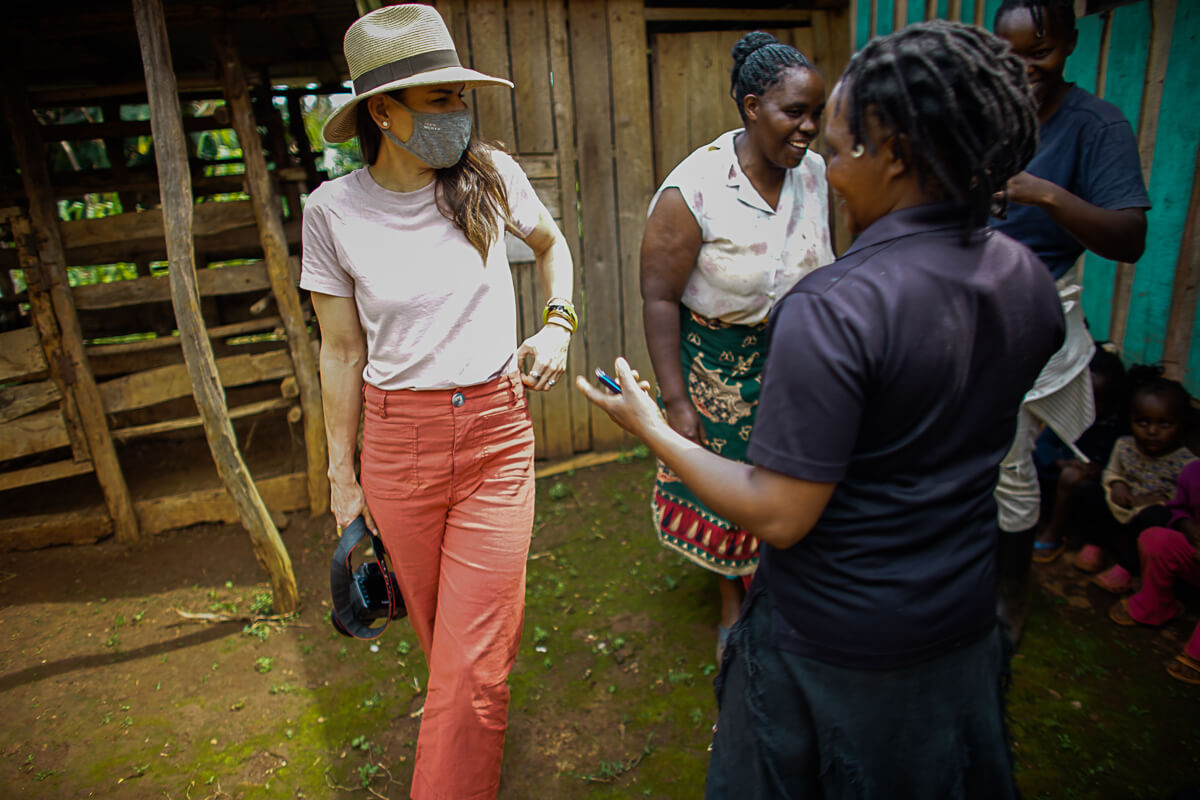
{"points": [[897, 372], [1089, 149]]}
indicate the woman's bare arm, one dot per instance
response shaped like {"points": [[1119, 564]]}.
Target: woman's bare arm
{"points": [[343, 356], [669, 249]]}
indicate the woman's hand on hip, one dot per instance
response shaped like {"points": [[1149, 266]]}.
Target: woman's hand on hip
{"points": [[634, 409], [682, 416], [348, 502], [548, 347]]}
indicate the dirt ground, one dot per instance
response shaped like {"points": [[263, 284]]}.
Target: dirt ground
{"points": [[108, 692]]}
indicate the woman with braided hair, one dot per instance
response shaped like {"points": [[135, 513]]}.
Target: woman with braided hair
{"points": [[867, 660], [731, 230]]}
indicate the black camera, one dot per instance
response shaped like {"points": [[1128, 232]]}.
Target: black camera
{"points": [[364, 593], [369, 595]]}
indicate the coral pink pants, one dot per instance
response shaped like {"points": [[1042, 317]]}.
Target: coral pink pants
{"points": [[448, 476], [1167, 556]]}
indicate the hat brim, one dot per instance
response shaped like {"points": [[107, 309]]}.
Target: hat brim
{"points": [[342, 125]]}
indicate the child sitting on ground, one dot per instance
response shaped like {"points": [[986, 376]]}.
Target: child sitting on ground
{"points": [[1139, 480], [1063, 476], [1169, 553]]}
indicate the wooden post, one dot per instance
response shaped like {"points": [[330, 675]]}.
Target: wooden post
{"points": [[41, 308], [74, 367], [303, 145], [275, 253], [175, 186], [1185, 290]]}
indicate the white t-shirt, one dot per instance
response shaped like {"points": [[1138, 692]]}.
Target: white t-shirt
{"points": [[434, 314], [751, 255]]}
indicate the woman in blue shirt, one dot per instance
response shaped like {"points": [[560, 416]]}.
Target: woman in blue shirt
{"points": [[1082, 190]]}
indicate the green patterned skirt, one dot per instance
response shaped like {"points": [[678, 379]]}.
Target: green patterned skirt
{"points": [[722, 369]]}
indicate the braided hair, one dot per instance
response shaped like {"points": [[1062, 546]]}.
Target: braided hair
{"points": [[1148, 379], [1061, 14], [758, 61], [957, 102]]}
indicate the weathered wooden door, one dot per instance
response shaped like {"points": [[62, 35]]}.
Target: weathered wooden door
{"points": [[690, 74], [690, 87]]}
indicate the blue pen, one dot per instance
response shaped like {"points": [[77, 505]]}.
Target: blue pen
{"points": [[608, 382]]}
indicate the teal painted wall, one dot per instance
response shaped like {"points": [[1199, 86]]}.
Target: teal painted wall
{"points": [[1172, 165], [1170, 192], [1123, 86]]}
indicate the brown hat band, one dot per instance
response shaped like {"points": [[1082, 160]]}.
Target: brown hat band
{"points": [[405, 68]]}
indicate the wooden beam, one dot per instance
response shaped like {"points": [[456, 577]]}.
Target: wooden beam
{"points": [[83, 526], [17, 401], [300, 133], [33, 433], [184, 423], [157, 343], [737, 17], [75, 184], [237, 279], [235, 243], [176, 190], [275, 252], [46, 430], [563, 98], [21, 355], [122, 129], [153, 386], [41, 308], [44, 223], [47, 472], [155, 515], [208, 219], [282, 493], [1162, 20], [1185, 290], [634, 164]]}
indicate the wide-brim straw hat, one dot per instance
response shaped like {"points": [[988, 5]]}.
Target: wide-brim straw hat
{"points": [[396, 47]]}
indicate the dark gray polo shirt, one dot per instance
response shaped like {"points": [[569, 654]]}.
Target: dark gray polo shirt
{"points": [[897, 373]]}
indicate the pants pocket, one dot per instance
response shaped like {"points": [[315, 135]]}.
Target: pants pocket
{"points": [[390, 459]]}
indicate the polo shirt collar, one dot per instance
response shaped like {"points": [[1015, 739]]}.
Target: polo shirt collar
{"points": [[907, 222], [736, 179]]}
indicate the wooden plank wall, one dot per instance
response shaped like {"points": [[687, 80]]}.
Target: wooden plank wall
{"points": [[1143, 57], [143, 386], [582, 110], [596, 177], [690, 73]]}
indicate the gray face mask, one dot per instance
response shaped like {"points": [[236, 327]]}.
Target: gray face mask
{"points": [[437, 139]]}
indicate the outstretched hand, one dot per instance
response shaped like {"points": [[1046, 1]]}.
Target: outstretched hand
{"points": [[634, 409]]}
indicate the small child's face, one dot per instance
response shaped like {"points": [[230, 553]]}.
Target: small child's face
{"points": [[1155, 424]]}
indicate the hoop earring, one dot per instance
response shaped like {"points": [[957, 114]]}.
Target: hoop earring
{"points": [[857, 151]]}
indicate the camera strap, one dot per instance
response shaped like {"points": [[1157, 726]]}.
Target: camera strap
{"points": [[341, 574]]}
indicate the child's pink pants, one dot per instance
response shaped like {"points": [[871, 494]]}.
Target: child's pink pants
{"points": [[1167, 556], [448, 477]]}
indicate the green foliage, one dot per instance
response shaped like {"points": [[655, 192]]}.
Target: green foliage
{"points": [[261, 604]]}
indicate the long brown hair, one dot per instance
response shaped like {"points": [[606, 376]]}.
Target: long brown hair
{"points": [[471, 194]]}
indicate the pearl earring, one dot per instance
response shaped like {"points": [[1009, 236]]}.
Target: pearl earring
{"points": [[385, 124], [857, 151]]}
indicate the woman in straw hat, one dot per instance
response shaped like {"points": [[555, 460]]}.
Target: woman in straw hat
{"points": [[406, 263]]}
